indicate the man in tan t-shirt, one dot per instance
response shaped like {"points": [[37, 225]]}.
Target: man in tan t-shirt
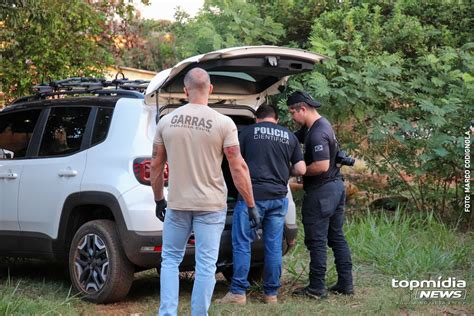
{"points": [[193, 139]]}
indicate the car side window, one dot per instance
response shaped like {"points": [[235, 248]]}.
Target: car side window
{"points": [[64, 131], [102, 124], [16, 130]]}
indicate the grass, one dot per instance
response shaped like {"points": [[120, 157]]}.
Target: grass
{"points": [[384, 246], [44, 298], [409, 245]]}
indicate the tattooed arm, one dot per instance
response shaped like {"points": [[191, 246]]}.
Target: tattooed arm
{"points": [[158, 160]]}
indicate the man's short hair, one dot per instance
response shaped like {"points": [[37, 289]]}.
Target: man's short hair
{"points": [[197, 79], [267, 110]]}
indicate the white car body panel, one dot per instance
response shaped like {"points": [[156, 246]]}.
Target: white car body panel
{"points": [[38, 209], [116, 177], [10, 175]]}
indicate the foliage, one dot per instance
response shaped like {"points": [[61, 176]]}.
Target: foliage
{"points": [[52, 39], [155, 45], [219, 24], [296, 16], [222, 24], [400, 80]]}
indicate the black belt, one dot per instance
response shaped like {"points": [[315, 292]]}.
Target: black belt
{"points": [[312, 187]]}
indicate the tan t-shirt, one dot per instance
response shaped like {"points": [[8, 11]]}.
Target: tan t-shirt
{"points": [[194, 137]]}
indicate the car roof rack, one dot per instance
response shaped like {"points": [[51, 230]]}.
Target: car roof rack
{"points": [[88, 85]]}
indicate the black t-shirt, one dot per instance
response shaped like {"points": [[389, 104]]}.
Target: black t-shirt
{"points": [[269, 149], [320, 144]]}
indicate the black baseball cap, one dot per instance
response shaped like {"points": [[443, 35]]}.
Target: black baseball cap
{"points": [[301, 96]]}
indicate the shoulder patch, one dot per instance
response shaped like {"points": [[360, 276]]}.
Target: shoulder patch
{"points": [[318, 148]]}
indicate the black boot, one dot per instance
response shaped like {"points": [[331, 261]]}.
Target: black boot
{"points": [[342, 289], [310, 293]]}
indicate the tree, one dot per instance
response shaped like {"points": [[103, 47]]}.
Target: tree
{"points": [[51, 39], [222, 24], [400, 75], [155, 46], [296, 17]]}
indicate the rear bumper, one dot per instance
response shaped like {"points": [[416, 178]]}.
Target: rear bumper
{"points": [[143, 248]]}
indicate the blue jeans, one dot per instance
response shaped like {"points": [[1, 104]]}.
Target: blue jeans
{"points": [[207, 228], [272, 214]]}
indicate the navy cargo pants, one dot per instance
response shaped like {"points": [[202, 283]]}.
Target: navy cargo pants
{"points": [[323, 218]]}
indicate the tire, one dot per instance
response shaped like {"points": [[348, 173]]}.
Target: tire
{"points": [[98, 266], [255, 274]]}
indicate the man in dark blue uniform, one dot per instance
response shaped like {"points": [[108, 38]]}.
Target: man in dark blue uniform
{"points": [[323, 204], [272, 153]]}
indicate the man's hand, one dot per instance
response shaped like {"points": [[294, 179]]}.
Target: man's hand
{"points": [[254, 217], [160, 209]]}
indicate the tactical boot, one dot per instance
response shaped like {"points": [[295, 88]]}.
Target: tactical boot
{"points": [[341, 289], [310, 293]]}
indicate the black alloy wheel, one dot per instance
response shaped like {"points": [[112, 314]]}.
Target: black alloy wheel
{"points": [[98, 266], [91, 263]]}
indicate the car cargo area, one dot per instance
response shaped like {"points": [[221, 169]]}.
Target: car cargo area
{"points": [[241, 122]]}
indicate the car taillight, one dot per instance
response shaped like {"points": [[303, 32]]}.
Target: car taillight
{"points": [[141, 169]]}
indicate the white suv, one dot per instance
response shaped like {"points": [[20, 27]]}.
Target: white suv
{"points": [[74, 171]]}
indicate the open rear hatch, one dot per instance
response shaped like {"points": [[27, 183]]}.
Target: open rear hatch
{"points": [[242, 76]]}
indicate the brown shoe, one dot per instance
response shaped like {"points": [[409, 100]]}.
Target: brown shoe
{"points": [[270, 299], [231, 298]]}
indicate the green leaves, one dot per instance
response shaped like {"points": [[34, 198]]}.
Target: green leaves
{"points": [[402, 80], [223, 24], [52, 39]]}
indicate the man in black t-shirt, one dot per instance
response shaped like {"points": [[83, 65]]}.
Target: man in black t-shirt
{"points": [[272, 153], [323, 204]]}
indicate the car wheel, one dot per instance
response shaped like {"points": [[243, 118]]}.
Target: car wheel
{"points": [[255, 274], [98, 267]]}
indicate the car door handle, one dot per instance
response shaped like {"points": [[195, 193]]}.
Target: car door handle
{"points": [[8, 175], [68, 172]]}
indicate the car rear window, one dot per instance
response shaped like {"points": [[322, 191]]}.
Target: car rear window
{"points": [[102, 124], [64, 131]]}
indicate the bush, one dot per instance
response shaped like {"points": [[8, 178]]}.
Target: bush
{"points": [[399, 88]]}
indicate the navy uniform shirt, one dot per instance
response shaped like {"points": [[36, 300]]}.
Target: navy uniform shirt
{"points": [[319, 144], [269, 150]]}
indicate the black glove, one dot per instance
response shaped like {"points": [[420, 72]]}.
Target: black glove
{"points": [[254, 217], [160, 209]]}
